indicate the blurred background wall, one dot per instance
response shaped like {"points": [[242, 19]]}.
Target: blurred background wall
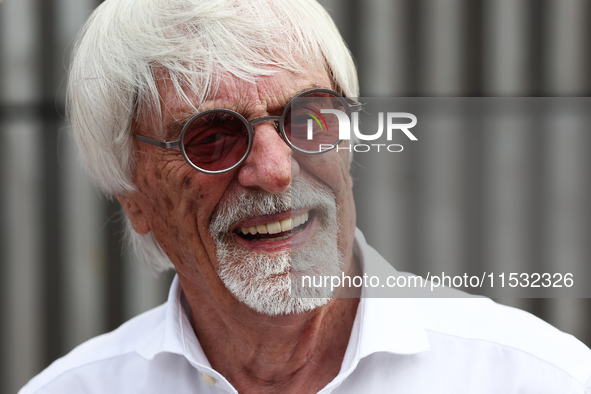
{"points": [[65, 275]]}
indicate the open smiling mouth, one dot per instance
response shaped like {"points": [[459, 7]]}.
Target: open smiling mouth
{"points": [[275, 231]]}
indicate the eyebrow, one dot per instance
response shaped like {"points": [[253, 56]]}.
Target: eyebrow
{"points": [[310, 87], [175, 127]]}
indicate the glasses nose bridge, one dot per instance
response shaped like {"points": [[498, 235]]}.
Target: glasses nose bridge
{"points": [[276, 126], [262, 119]]}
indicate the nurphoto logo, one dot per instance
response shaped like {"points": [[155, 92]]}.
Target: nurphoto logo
{"points": [[346, 124], [322, 121]]}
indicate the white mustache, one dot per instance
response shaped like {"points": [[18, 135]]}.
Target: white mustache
{"points": [[240, 206]]}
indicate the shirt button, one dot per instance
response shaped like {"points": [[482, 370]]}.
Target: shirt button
{"points": [[208, 380]]}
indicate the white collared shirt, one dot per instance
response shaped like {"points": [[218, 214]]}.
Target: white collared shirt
{"points": [[397, 345]]}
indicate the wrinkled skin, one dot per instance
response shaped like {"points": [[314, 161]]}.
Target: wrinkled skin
{"points": [[256, 353]]}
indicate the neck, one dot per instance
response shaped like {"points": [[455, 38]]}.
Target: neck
{"points": [[267, 354]]}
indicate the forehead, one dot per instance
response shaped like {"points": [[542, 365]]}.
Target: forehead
{"points": [[261, 95], [277, 88]]}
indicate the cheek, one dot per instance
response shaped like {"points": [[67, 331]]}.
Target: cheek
{"points": [[331, 169], [170, 213], [181, 203], [175, 225]]}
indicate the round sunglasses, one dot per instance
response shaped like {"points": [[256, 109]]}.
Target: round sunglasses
{"points": [[219, 140]]}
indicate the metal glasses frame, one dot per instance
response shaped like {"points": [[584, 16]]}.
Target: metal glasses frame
{"points": [[350, 105]]}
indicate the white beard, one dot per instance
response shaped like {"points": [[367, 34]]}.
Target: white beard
{"points": [[270, 283]]}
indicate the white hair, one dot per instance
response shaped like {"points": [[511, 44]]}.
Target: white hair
{"points": [[127, 44]]}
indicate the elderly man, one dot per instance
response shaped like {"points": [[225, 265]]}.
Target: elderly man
{"points": [[183, 109]]}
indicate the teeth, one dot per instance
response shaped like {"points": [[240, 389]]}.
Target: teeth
{"points": [[276, 227], [285, 224]]}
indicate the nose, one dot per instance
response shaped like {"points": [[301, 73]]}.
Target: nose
{"points": [[270, 165]]}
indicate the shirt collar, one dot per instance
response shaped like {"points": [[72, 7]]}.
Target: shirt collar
{"points": [[175, 333], [388, 325], [391, 325]]}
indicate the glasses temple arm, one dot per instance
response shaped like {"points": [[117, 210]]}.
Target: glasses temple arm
{"points": [[162, 144], [354, 106]]}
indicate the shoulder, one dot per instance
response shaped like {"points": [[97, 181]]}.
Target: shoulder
{"points": [[466, 345], [504, 338], [113, 349], [473, 340]]}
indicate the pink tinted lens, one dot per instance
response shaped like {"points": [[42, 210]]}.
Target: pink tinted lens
{"points": [[309, 128], [216, 141]]}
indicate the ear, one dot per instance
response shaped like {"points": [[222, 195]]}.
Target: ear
{"points": [[134, 213]]}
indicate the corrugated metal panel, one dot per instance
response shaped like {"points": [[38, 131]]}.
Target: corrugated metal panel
{"points": [[65, 278], [22, 279]]}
